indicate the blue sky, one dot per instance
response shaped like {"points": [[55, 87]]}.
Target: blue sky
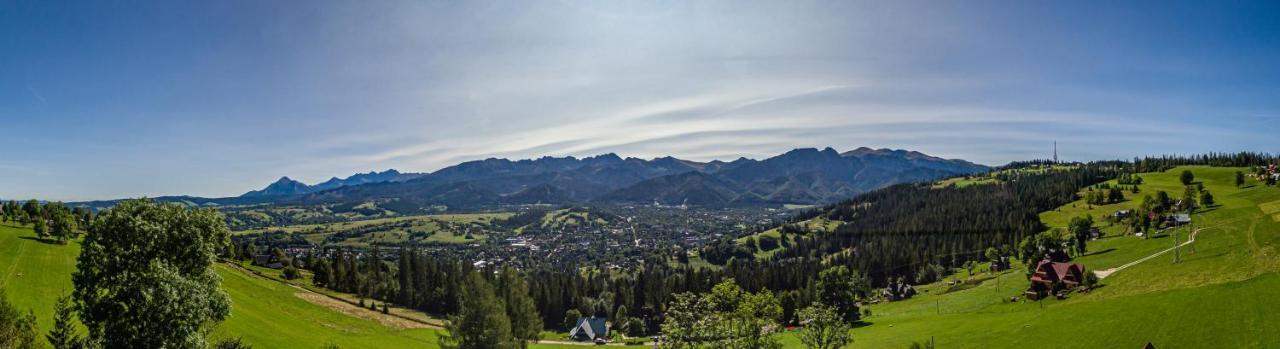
{"points": [[108, 99]]}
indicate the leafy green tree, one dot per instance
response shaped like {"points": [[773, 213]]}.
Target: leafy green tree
{"points": [[571, 317], [1079, 228], [727, 317], [1163, 202], [41, 227], [1239, 179], [1187, 177], [1206, 198], [1188, 199], [31, 208], [481, 322], [64, 225], [526, 324], [17, 330], [1115, 195], [145, 275], [84, 216], [823, 328], [839, 288], [63, 335]]}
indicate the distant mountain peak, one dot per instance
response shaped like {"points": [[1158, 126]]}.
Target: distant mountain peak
{"points": [[286, 186]]}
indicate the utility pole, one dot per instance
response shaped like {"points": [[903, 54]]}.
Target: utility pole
{"points": [[1192, 239], [1176, 258]]}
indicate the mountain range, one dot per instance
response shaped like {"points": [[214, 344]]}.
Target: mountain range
{"points": [[800, 176], [285, 186]]}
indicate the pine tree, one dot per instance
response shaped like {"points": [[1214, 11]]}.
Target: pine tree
{"points": [[63, 335], [526, 324], [481, 322]]}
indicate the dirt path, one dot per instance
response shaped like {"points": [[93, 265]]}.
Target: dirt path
{"points": [[584, 343], [344, 307], [1102, 274], [355, 311]]}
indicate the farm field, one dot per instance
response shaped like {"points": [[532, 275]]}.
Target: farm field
{"points": [[428, 229]]}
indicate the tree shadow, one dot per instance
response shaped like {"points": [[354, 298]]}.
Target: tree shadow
{"points": [[43, 241], [1095, 253], [862, 323]]}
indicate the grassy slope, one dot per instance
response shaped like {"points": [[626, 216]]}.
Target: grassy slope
{"points": [[1216, 298]]}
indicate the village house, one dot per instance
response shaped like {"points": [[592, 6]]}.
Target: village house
{"points": [[1049, 273], [268, 260], [898, 291], [590, 329], [1179, 219]]}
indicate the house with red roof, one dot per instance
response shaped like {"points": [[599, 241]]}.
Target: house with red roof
{"points": [[1049, 272]]}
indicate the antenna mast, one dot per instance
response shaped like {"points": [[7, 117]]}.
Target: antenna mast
{"points": [[1055, 152]]}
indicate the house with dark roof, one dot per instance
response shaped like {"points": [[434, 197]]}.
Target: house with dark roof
{"points": [[589, 329], [1049, 273], [268, 260], [898, 291]]}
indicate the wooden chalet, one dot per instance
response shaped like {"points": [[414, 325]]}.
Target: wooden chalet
{"points": [[1049, 273]]}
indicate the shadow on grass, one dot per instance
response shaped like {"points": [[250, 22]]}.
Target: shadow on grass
{"points": [[1095, 253], [863, 323], [43, 241]]}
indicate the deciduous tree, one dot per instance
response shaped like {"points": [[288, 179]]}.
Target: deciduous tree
{"points": [[17, 330], [823, 328], [145, 275], [839, 288]]}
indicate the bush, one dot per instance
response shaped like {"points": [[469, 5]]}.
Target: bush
{"points": [[235, 343], [768, 243], [291, 273], [17, 330]]}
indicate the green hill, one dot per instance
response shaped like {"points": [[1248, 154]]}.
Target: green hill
{"points": [[1219, 296]]}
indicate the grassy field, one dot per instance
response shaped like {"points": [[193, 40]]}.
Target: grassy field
{"points": [[428, 229], [818, 225], [316, 228]]}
